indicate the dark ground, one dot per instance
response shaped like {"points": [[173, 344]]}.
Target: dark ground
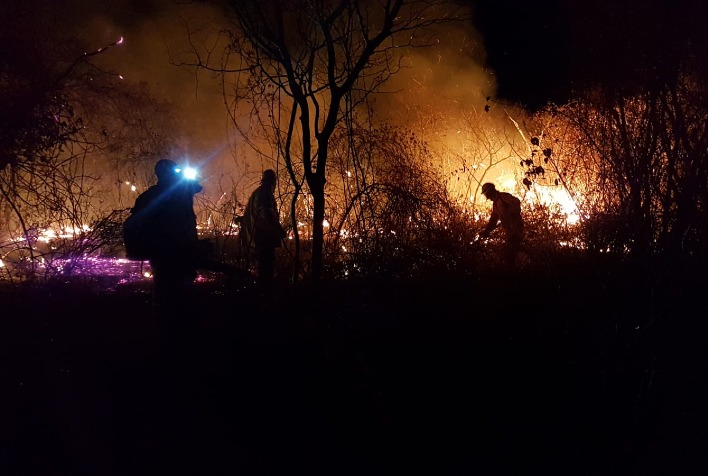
{"points": [[582, 373]]}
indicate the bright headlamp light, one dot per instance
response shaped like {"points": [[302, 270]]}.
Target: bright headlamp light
{"points": [[189, 173]]}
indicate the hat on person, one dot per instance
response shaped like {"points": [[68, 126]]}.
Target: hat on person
{"points": [[488, 187], [165, 168]]}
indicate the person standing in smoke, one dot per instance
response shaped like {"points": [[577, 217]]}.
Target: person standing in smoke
{"points": [[506, 210], [260, 228], [166, 211]]}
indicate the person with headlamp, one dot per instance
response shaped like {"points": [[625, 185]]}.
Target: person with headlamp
{"points": [[166, 210]]}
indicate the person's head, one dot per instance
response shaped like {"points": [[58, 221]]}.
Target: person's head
{"points": [[268, 178], [489, 190], [165, 170]]}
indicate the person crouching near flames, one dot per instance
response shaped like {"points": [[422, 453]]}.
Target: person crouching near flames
{"points": [[506, 210], [261, 229]]}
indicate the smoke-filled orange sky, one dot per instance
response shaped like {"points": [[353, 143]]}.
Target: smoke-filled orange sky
{"points": [[155, 30], [534, 50], [152, 31], [526, 52], [155, 34]]}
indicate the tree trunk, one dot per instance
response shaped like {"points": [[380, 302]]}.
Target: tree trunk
{"points": [[318, 197]]}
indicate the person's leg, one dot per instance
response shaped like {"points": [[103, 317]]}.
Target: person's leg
{"points": [[511, 252], [173, 300], [266, 266], [160, 287]]}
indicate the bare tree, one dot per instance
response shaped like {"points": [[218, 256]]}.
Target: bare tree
{"points": [[308, 57]]}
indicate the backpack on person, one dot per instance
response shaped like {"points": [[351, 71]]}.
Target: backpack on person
{"points": [[138, 238], [512, 204]]}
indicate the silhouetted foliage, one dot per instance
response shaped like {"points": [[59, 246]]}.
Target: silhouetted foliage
{"points": [[650, 152], [310, 60], [636, 166], [71, 136], [396, 217]]}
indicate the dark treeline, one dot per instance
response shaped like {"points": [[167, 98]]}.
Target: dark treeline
{"points": [[551, 50]]}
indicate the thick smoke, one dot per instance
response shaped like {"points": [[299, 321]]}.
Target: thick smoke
{"points": [[438, 87], [155, 36]]}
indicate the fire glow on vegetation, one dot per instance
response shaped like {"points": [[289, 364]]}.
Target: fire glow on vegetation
{"points": [[558, 197], [48, 235], [122, 271], [554, 197], [46, 261]]}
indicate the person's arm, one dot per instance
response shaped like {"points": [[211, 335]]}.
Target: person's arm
{"points": [[267, 223], [493, 222], [274, 218], [269, 209]]}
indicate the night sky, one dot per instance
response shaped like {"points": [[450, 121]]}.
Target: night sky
{"points": [[544, 50], [537, 50]]}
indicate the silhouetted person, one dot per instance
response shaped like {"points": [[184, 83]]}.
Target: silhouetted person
{"points": [[167, 210], [261, 229], [506, 209]]}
